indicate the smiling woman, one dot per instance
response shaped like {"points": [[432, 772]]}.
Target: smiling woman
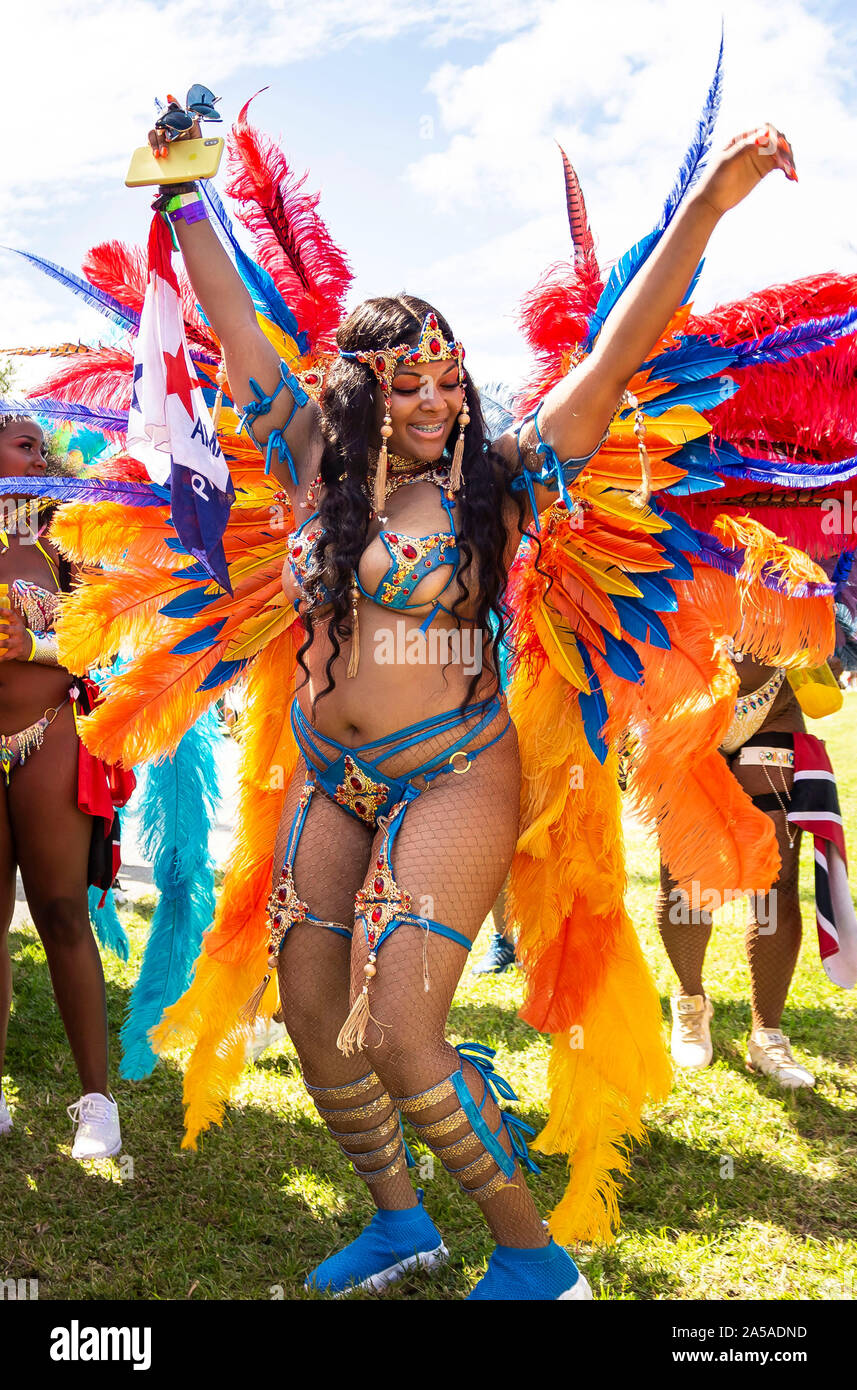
{"points": [[409, 508], [40, 757]]}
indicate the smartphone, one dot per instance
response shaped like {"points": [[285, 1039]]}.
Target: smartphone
{"points": [[187, 159]]}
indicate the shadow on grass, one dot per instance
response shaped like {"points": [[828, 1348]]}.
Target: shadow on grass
{"points": [[690, 1190]]}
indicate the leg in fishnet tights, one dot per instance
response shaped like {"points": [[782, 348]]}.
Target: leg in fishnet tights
{"points": [[772, 954], [685, 932], [451, 854], [330, 863]]}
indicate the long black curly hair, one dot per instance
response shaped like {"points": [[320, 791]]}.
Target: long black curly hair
{"points": [[350, 425]]}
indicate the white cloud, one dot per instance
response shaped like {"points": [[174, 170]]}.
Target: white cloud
{"points": [[620, 85]]}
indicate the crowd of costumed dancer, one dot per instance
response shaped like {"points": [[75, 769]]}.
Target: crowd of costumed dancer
{"points": [[358, 453]]}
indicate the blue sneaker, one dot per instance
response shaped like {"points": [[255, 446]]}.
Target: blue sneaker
{"points": [[541, 1275], [393, 1244], [499, 956]]}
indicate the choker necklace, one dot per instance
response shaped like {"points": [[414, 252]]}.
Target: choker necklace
{"points": [[402, 472]]}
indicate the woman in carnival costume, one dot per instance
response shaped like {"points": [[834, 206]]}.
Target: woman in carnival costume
{"points": [[44, 765], [415, 520], [400, 510]]}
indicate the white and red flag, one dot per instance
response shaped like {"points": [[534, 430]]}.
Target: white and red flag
{"points": [[169, 427]]}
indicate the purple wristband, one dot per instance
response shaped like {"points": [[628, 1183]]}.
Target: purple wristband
{"points": [[194, 212]]}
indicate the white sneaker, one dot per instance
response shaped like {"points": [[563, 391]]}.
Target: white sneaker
{"points": [[5, 1117], [768, 1051], [266, 1033], [97, 1120], [690, 1040]]}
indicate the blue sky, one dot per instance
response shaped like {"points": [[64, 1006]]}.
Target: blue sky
{"points": [[430, 130]]}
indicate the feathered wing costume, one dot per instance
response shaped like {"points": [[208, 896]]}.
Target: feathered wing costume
{"points": [[611, 648], [627, 608]]}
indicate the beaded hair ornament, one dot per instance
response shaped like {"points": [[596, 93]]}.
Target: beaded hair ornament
{"points": [[384, 362]]}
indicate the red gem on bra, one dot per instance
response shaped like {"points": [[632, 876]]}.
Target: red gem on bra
{"points": [[409, 551]]}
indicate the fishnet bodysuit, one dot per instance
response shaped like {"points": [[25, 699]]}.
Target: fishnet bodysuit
{"points": [[452, 854]]}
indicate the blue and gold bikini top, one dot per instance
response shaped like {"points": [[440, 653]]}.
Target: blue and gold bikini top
{"points": [[412, 558]]}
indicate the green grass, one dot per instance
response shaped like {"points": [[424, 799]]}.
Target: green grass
{"points": [[267, 1196]]}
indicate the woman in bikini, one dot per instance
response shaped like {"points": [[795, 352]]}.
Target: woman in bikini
{"points": [[43, 833], [402, 818]]}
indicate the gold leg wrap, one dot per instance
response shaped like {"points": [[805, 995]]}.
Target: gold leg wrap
{"points": [[482, 1156], [374, 1146]]}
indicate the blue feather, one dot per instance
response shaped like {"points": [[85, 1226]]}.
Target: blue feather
{"points": [[701, 395], [789, 473], [176, 808], [695, 359], [112, 421], [198, 641], [694, 159], [640, 622], [786, 343], [260, 285], [622, 659], [105, 921], [189, 604], [223, 671], [593, 708], [691, 166], [131, 494], [657, 593], [681, 568], [842, 572], [118, 313], [681, 536]]}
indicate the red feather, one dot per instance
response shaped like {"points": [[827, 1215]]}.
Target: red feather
{"points": [[291, 241], [578, 221], [812, 297], [101, 378], [122, 271]]}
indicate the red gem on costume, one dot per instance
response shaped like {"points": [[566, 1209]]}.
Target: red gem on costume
{"points": [[296, 550], [360, 808], [282, 895], [356, 783], [378, 885], [434, 345], [391, 537], [380, 861], [409, 552], [380, 364], [376, 914], [427, 564]]}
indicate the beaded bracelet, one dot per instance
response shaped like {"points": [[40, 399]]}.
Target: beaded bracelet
{"points": [[44, 648]]}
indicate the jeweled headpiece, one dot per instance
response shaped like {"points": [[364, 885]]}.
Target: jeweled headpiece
{"points": [[384, 362]]}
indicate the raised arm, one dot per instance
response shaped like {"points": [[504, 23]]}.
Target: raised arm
{"points": [[574, 415], [247, 352]]}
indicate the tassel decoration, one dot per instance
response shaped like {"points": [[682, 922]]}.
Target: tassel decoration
{"points": [[218, 399], [354, 658], [458, 452], [379, 498], [248, 1012], [640, 498]]}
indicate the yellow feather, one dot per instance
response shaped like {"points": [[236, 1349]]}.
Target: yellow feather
{"points": [[560, 645], [262, 628]]}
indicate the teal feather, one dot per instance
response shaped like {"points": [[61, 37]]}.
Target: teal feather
{"points": [[176, 809], [106, 925]]}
